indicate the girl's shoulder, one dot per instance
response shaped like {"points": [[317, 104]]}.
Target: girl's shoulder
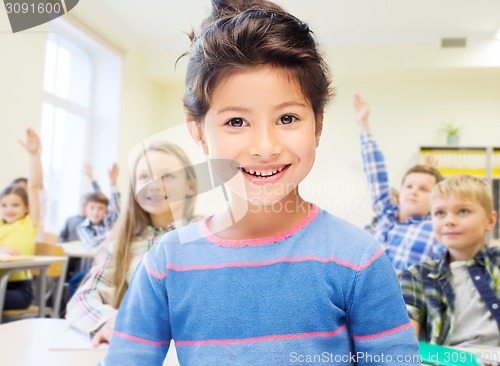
{"points": [[23, 223], [341, 239], [195, 218], [335, 226]]}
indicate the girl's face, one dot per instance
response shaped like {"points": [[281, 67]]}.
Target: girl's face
{"points": [[161, 184], [12, 208], [260, 119]]}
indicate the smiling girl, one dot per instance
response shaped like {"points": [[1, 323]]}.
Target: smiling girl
{"points": [[285, 279], [21, 221], [162, 196]]}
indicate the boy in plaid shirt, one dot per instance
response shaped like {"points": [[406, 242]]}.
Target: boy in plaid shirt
{"points": [[455, 300], [99, 221], [403, 228]]}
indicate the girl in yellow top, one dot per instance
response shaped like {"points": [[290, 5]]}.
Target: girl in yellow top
{"points": [[20, 222]]}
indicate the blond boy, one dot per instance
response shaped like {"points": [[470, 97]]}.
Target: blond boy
{"points": [[455, 300]]}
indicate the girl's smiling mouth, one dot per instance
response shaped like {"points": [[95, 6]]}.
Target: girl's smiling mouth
{"points": [[264, 174], [156, 199]]}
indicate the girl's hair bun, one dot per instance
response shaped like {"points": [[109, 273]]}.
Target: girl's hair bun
{"points": [[228, 7]]}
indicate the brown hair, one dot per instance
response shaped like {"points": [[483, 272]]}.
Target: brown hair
{"points": [[134, 220], [20, 180], [18, 191], [97, 197], [468, 188], [240, 35], [426, 169]]}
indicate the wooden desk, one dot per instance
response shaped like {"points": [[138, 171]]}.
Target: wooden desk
{"points": [[36, 262], [78, 250], [31, 342], [27, 342]]}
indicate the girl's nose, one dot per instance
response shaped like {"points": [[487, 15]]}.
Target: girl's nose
{"points": [[157, 185], [265, 142]]}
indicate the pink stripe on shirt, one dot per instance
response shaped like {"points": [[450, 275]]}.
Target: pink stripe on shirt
{"points": [[156, 275], [275, 337], [211, 237], [139, 340], [382, 334], [275, 261]]}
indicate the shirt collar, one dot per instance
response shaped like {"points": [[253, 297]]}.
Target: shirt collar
{"points": [[479, 258], [394, 210], [444, 263], [152, 232], [86, 222], [417, 219]]}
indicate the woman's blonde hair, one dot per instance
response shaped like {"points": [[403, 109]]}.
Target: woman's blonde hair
{"points": [[134, 220], [466, 187]]}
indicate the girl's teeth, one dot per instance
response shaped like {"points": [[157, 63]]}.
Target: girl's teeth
{"points": [[265, 173]]}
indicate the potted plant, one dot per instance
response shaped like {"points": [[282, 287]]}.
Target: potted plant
{"points": [[452, 132]]}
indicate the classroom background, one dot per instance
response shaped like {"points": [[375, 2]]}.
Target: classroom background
{"points": [[106, 76]]}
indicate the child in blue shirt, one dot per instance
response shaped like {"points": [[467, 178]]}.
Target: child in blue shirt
{"points": [[403, 227], [273, 279]]}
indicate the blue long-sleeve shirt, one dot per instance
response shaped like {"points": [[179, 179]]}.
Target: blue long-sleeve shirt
{"points": [[406, 242], [324, 288]]}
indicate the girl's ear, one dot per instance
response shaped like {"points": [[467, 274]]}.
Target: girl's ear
{"points": [[198, 135], [318, 127], [191, 190]]}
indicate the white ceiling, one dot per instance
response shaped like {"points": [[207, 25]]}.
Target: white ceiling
{"points": [[158, 25]]}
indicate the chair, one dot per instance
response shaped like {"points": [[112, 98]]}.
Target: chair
{"points": [[54, 287], [47, 237]]}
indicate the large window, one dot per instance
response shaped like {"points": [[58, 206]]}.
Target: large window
{"points": [[80, 104]]}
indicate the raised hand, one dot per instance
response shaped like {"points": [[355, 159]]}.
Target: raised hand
{"points": [[113, 172], [362, 112], [431, 160], [33, 144], [89, 171]]}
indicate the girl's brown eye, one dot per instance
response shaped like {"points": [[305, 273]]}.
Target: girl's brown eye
{"points": [[236, 122], [287, 119]]}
